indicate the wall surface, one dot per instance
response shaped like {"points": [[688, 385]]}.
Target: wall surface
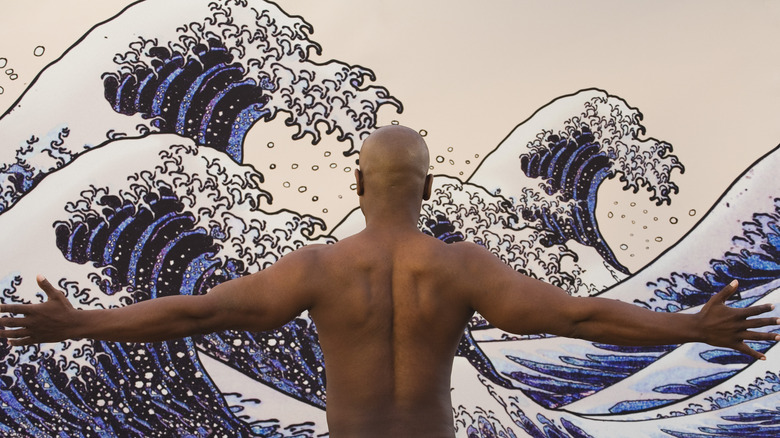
{"points": [[613, 148]]}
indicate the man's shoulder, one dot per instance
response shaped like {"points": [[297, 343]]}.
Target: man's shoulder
{"points": [[466, 249], [461, 256], [305, 255]]}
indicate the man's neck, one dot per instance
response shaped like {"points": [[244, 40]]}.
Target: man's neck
{"points": [[391, 217]]}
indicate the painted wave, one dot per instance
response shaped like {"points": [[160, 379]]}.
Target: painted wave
{"points": [[565, 151], [209, 73], [463, 211], [594, 377], [148, 235], [189, 218]]}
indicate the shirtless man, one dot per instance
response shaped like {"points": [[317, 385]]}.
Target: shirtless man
{"points": [[390, 304]]}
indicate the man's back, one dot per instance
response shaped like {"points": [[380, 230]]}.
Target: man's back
{"points": [[389, 331]]}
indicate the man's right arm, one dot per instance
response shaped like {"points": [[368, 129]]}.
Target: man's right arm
{"points": [[147, 321], [519, 304], [257, 302]]}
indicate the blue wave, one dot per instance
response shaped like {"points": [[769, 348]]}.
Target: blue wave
{"points": [[23, 174], [763, 423], [156, 249], [754, 261], [554, 386], [573, 167], [483, 425], [204, 96], [124, 394]]}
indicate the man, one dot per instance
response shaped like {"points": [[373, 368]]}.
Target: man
{"points": [[390, 304]]}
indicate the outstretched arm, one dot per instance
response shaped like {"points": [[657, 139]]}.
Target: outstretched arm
{"points": [[261, 301], [523, 305], [147, 321]]}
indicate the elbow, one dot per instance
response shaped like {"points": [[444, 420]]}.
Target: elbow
{"points": [[205, 317], [579, 323]]}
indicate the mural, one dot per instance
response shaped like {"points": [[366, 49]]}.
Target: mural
{"points": [[124, 177]]}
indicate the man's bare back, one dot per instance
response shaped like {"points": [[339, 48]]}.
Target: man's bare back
{"points": [[389, 333], [390, 305]]}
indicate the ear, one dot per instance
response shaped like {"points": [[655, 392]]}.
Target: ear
{"points": [[427, 187], [359, 182]]}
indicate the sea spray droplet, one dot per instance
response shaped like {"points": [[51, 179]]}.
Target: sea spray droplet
{"points": [[294, 166], [659, 239], [3, 62], [692, 212], [315, 167], [39, 51], [270, 145], [286, 184], [302, 189], [272, 166], [610, 215], [347, 169], [327, 153], [2, 90], [439, 159], [672, 220], [423, 132], [623, 246], [449, 149], [353, 186], [333, 165], [315, 198], [394, 122]]}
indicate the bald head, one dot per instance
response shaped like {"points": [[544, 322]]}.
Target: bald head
{"points": [[394, 163], [395, 149]]}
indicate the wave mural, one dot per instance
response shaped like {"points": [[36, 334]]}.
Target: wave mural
{"points": [[144, 193]]}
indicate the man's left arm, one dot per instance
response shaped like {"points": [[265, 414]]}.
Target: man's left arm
{"points": [[519, 304]]}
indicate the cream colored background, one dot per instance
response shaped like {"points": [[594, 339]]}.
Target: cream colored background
{"points": [[703, 73]]}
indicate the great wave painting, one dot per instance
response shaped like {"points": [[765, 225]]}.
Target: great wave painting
{"points": [[178, 144]]}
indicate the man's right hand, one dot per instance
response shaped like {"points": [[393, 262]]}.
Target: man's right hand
{"points": [[52, 321]]}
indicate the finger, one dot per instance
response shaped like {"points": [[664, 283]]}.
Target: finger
{"points": [[760, 322], [750, 335], [756, 310], [727, 291], [21, 342], [14, 334], [51, 292], [19, 309], [742, 348], [12, 322]]}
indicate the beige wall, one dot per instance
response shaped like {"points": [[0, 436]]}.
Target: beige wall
{"points": [[703, 73]]}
